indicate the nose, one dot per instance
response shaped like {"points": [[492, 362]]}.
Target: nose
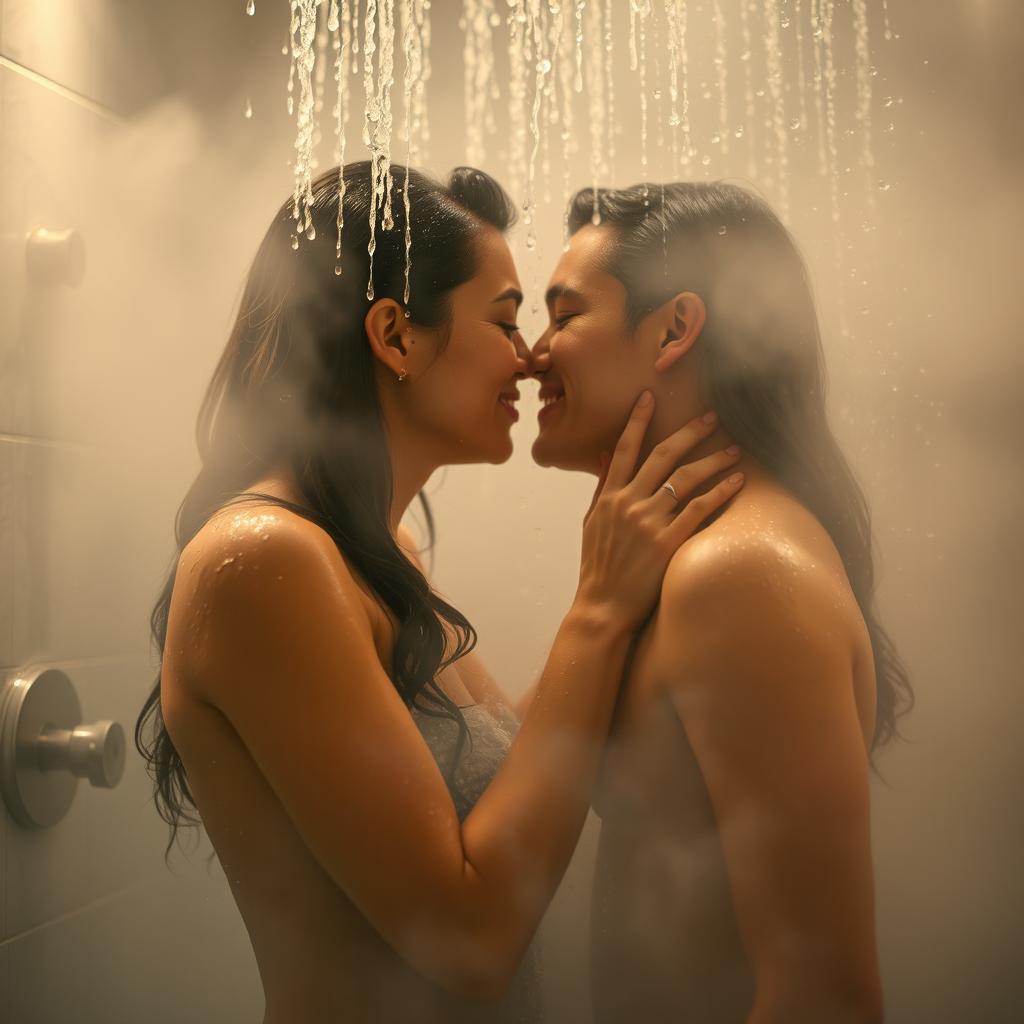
{"points": [[524, 363], [540, 355]]}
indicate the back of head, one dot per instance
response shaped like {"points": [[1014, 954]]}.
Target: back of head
{"points": [[760, 356]]}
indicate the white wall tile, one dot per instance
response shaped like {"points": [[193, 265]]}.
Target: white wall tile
{"points": [[163, 953], [46, 144]]}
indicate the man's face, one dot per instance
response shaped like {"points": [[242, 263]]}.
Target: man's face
{"points": [[585, 358]]}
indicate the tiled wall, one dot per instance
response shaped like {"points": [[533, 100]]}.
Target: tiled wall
{"points": [[93, 926]]}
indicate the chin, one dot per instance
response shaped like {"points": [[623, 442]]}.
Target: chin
{"points": [[555, 457]]}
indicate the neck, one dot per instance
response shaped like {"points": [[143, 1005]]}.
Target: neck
{"points": [[670, 417]]}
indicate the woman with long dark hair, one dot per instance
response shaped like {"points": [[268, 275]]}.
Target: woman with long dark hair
{"points": [[391, 833]]}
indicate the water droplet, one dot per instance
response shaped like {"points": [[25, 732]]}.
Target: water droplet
{"points": [[706, 161], [595, 217], [723, 230], [544, 66], [888, 101], [739, 132], [248, 108], [716, 139], [311, 232], [337, 270], [884, 186], [745, 55], [785, 22], [295, 241], [795, 124], [250, 7], [495, 19]]}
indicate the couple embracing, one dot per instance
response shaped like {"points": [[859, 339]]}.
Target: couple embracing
{"points": [[392, 825]]}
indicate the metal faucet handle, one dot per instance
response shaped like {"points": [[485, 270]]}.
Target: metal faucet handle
{"points": [[95, 752]]}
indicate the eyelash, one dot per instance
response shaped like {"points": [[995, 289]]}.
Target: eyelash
{"points": [[509, 329], [562, 320]]}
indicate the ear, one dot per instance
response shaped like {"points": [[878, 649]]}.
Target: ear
{"points": [[681, 323], [386, 329]]}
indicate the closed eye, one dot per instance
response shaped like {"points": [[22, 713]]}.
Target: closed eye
{"points": [[561, 321], [509, 329]]}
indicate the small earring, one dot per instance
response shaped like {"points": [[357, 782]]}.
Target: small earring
{"points": [[401, 377]]}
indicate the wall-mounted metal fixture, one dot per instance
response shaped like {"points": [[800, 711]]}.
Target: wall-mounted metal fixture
{"points": [[45, 748], [55, 257]]}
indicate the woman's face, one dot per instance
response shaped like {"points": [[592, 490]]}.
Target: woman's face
{"points": [[464, 398], [585, 359]]}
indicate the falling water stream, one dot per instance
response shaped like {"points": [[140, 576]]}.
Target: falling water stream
{"points": [[561, 53]]}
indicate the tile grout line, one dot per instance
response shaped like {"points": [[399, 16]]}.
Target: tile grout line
{"points": [[85, 908], [61, 90]]}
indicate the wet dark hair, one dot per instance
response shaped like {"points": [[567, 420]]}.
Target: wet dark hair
{"points": [[295, 384], [762, 362]]}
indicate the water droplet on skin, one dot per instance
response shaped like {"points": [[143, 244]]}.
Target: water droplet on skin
{"points": [[250, 7], [311, 232], [295, 241], [723, 230]]}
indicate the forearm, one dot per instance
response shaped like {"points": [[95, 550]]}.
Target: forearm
{"points": [[521, 834]]}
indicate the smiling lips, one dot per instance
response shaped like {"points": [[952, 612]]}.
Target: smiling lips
{"points": [[507, 400], [550, 397]]}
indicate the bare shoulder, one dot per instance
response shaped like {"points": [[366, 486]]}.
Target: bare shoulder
{"points": [[768, 549], [763, 581], [257, 563]]}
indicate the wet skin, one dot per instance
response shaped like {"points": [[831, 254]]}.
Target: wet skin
{"points": [[733, 794], [319, 958]]}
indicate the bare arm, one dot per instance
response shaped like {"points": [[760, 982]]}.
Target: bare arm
{"points": [[762, 682], [286, 652]]}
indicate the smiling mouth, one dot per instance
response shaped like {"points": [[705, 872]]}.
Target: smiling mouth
{"points": [[551, 402], [508, 405]]}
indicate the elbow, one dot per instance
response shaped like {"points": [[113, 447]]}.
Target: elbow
{"points": [[470, 967]]}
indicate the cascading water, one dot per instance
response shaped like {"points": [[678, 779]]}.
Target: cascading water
{"points": [[561, 50]]}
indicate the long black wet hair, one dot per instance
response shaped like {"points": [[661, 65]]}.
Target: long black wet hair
{"points": [[295, 385], [762, 363]]}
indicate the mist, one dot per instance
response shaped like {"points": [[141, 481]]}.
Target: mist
{"points": [[152, 161]]}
